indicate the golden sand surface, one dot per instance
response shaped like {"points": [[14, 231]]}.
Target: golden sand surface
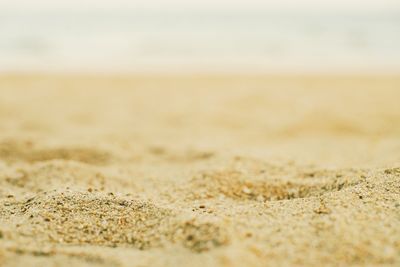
{"points": [[199, 170]]}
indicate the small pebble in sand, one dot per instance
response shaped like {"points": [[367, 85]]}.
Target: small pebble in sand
{"points": [[248, 234], [246, 190]]}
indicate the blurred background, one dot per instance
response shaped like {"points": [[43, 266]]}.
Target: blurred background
{"points": [[183, 36]]}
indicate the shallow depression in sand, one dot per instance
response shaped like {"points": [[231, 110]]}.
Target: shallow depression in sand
{"points": [[12, 151]]}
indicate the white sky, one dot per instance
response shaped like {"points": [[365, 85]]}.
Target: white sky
{"points": [[361, 5]]}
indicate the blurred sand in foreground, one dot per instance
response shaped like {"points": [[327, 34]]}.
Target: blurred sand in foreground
{"points": [[199, 170]]}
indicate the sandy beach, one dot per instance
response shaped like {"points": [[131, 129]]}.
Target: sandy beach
{"points": [[199, 170]]}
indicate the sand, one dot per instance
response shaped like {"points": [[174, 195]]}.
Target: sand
{"points": [[199, 170]]}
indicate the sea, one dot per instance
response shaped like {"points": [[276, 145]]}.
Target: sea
{"points": [[134, 40]]}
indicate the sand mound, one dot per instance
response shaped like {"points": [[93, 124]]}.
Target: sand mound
{"points": [[261, 182], [72, 217]]}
